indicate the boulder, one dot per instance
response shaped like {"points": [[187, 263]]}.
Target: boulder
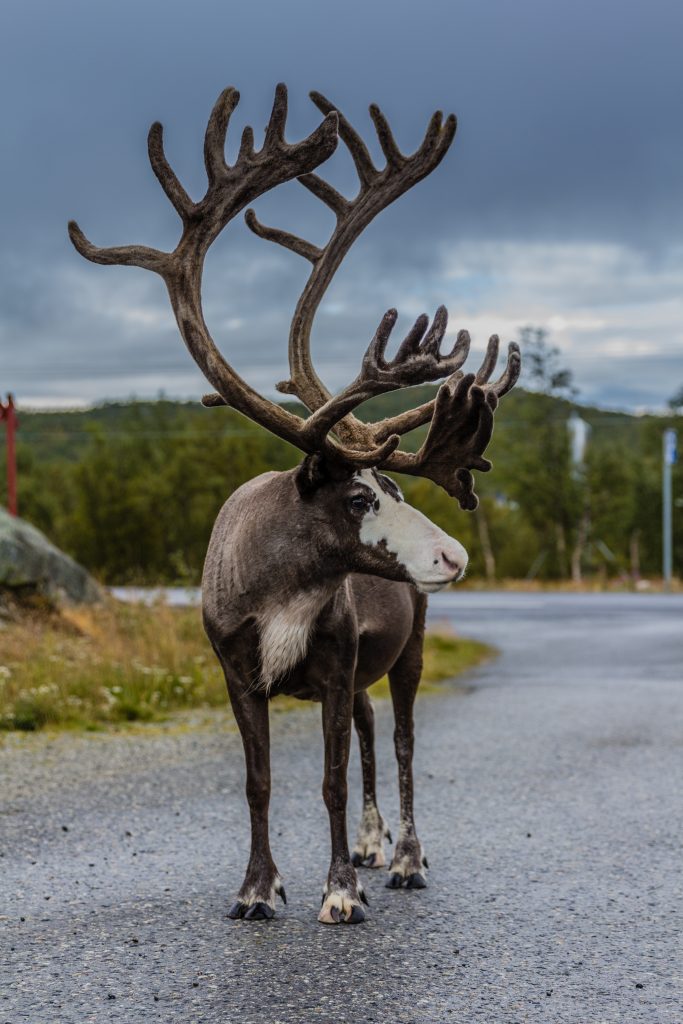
{"points": [[31, 564]]}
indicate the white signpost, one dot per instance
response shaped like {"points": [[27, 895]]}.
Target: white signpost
{"points": [[669, 457]]}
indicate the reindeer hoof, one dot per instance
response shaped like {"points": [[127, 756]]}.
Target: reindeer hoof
{"points": [[409, 867], [355, 916], [341, 908], [414, 881], [259, 912], [369, 849], [373, 860], [253, 912], [251, 908]]}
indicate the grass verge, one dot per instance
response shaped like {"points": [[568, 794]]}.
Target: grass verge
{"points": [[95, 667]]}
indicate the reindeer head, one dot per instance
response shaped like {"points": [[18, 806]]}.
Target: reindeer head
{"points": [[460, 417], [361, 522]]}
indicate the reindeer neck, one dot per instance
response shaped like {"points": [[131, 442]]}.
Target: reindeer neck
{"points": [[270, 549]]}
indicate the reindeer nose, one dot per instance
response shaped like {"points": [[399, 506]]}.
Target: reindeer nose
{"points": [[449, 562]]}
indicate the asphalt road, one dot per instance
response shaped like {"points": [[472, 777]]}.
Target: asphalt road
{"points": [[549, 799]]}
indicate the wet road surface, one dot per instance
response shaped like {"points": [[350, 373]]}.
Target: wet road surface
{"points": [[549, 801]]}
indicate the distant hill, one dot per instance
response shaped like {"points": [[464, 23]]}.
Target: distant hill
{"points": [[131, 489], [65, 434]]}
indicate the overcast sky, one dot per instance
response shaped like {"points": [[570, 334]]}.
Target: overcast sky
{"points": [[559, 204]]}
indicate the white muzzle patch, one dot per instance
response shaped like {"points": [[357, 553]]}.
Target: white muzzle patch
{"points": [[431, 558]]}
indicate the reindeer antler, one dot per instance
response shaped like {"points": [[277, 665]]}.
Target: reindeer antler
{"points": [[461, 425], [378, 189], [229, 190], [461, 420], [461, 416]]}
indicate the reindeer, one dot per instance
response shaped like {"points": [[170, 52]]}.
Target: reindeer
{"points": [[315, 579]]}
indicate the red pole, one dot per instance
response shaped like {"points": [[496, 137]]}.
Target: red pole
{"points": [[9, 415]]}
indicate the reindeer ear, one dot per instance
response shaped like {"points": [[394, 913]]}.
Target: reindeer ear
{"points": [[311, 474], [321, 468]]}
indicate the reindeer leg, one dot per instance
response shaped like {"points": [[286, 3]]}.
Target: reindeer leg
{"points": [[342, 894], [256, 898], [369, 849], [409, 862]]}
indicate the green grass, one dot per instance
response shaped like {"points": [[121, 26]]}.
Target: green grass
{"points": [[117, 664]]}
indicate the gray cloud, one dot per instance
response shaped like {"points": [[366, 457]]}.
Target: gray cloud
{"points": [[560, 203]]}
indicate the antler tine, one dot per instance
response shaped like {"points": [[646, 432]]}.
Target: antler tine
{"points": [[510, 374], [122, 255], [216, 132], [393, 155], [374, 354], [438, 136], [166, 175], [404, 422], [246, 151], [275, 132], [490, 359], [365, 168], [411, 342], [434, 336], [322, 190], [461, 349], [298, 245]]}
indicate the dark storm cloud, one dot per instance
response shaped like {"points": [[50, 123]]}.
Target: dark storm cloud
{"points": [[560, 203]]}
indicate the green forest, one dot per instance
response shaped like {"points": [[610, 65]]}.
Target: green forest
{"points": [[131, 489]]}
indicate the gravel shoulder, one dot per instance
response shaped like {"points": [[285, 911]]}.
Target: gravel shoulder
{"points": [[549, 801]]}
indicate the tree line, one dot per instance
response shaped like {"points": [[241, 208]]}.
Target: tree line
{"points": [[133, 490]]}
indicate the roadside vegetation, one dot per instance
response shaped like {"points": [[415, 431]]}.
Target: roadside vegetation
{"points": [[90, 668]]}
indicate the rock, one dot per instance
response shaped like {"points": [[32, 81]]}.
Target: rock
{"points": [[31, 564]]}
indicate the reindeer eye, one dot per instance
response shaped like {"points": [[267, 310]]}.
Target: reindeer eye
{"points": [[358, 502]]}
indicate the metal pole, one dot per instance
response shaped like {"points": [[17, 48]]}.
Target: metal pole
{"points": [[11, 426], [668, 459], [8, 416]]}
